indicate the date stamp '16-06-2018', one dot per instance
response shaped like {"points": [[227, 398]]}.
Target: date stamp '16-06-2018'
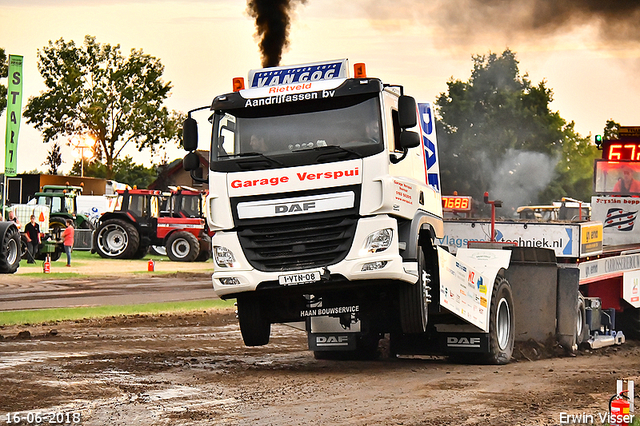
{"points": [[38, 418]]}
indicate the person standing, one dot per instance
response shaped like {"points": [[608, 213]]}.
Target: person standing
{"points": [[67, 240], [32, 232]]}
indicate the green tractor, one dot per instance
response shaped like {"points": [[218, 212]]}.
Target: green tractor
{"points": [[61, 199]]}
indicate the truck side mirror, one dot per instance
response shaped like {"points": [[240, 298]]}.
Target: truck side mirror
{"points": [[191, 162], [407, 116], [190, 134], [409, 139]]}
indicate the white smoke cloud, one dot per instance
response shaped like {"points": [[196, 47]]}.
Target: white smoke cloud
{"points": [[519, 178]]}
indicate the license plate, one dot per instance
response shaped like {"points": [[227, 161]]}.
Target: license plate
{"points": [[303, 278]]}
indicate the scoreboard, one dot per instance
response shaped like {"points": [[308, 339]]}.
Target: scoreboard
{"points": [[456, 203], [626, 148], [616, 150]]}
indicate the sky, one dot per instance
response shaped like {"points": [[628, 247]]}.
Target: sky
{"points": [[589, 56]]}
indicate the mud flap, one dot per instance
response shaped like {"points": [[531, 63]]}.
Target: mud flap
{"points": [[332, 341], [464, 342]]}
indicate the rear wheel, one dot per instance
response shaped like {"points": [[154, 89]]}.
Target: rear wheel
{"points": [[414, 299], [10, 251], [255, 328], [501, 324], [117, 239], [183, 247]]}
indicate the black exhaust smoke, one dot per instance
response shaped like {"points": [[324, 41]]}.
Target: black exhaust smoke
{"points": [[273, 19]]}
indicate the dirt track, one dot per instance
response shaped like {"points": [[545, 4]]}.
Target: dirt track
{"points": [[192, 369]]}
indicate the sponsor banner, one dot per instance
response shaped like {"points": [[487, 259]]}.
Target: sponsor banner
{"points": [[566, 240], [463, 290], [591, 238], [594, 270], [294, 178], [14, 113], [298, 205], [631, 288], [298, 74], [618, 216]]}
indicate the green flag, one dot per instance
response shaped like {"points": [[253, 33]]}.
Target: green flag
{"points": [[14, 113]]}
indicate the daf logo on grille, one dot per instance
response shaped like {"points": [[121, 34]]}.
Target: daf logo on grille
{"points": [[295, 207]]}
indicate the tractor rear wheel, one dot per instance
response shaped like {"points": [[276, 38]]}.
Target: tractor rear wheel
{"points": [[117, 239], [183, 246], [10, 251]]}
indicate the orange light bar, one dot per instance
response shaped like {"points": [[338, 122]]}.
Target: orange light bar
{"points": [[238, 84], [359, 70]]}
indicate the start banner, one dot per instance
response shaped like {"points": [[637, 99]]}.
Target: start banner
{"points": [[14, 113]]}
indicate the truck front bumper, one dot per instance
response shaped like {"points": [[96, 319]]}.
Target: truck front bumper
{"points": [[359, 264]]}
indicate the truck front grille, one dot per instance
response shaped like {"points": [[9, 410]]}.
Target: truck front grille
{"points": [[298, 244]]}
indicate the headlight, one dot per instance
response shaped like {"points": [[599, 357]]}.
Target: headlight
{"points": [[379, 240], [224, 257]]}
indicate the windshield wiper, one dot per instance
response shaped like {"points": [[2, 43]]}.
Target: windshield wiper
{"points": [[251, 154], [325, 148]]}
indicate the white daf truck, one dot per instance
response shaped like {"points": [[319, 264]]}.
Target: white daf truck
{"points": [[324, 195]]}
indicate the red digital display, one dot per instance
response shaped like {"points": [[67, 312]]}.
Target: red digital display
{"points": [[618, 150], [457, 203]]}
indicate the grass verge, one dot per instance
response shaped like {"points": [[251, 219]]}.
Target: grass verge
{"points": [[60, 314]]}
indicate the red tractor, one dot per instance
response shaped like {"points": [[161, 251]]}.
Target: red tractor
{"points": [[144, 218]]}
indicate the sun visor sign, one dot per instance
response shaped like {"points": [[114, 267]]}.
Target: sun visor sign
{"points": [[288, 75]]}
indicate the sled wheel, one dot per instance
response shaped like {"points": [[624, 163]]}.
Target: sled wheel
{"points": [[501, 324], [581, 321]]}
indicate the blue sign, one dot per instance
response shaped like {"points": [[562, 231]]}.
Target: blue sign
{"points": [[279, 76], [430, 151]]}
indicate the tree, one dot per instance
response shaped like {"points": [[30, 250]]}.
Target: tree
{"points": [[54, 159], [4, 72], [611, 130], [124, 171], [497, 133], [95, 90]]}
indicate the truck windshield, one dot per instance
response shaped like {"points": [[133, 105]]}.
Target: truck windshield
{"points": [[299, 133]]}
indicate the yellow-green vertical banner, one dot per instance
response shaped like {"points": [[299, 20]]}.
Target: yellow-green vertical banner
{"points": [[14, 113]]}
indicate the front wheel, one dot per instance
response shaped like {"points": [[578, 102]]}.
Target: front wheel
{"points": [[183, 246], [255, 328], [501, 324]]}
